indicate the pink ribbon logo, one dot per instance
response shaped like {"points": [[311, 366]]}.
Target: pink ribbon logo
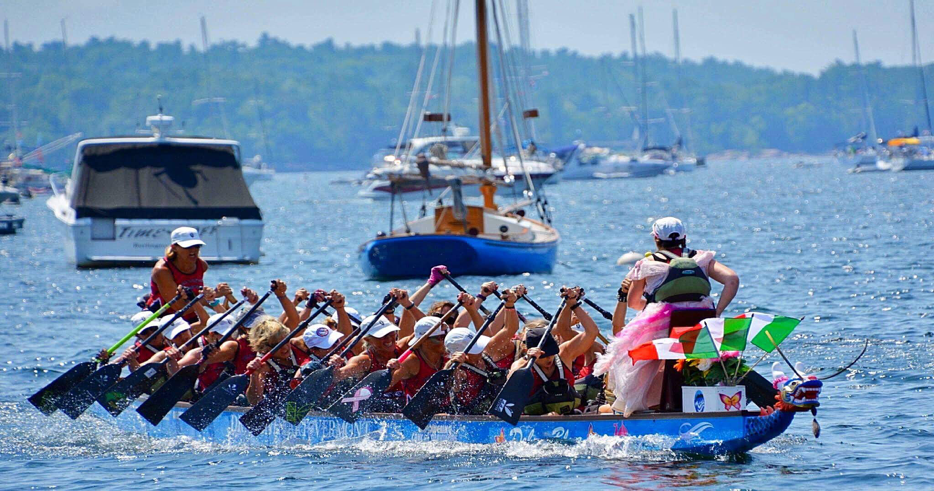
{"points": [[359, 396]]}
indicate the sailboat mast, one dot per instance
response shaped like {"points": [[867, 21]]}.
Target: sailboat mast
{"points": [[645, 96], [207, 68], [483, 73], [916, 57], [10, 75], [867, 107], [635, 70]]}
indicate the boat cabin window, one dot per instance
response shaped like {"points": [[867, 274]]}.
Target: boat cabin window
{"points": [[158, 180]]}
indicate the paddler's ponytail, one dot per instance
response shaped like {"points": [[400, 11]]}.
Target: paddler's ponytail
{"points": [[170, 253]]}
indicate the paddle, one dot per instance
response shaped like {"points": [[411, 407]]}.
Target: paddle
{"points": [[80, 398], [45, 399], [511, 400], [457, 285], [303, 398], [258, 418], [173, 390], [294, 408], [124, 392], [428, 401], [547, 315], [359, 399]]}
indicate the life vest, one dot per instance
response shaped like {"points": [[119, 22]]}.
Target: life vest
{"points": [[280, 377], [244, 355], [685, 281], [194, 281], [552, 395], [480, 387], [144, 352], [392, 400], [411, 385]]}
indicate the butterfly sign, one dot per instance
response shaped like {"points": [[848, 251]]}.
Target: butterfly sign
{"points": [[731, 402]]}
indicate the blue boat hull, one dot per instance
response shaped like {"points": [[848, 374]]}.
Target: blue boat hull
{"points": [[414, 256], [704, 434]]}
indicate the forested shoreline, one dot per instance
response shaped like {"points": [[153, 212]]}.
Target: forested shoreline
{"points": [[330, 106]]}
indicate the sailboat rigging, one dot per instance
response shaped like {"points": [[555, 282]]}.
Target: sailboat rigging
{"points": [[483, 239]]}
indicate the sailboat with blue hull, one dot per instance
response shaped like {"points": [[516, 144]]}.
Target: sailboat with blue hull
{"points": [[406, 256], [482, 239]]}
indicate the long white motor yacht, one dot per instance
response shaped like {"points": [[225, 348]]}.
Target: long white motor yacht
{"points": [[127, 194], [604, 163], [451, 156]]}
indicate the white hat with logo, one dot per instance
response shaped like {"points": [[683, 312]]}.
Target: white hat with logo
{"points": [[175, 328], [424, 325], [381, 328], [222, 327], [668, 228], [458, 339], [186, 237], [320, 336]]}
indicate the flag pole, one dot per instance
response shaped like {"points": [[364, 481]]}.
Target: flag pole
{"points": [[753, 366], [723, 366], [741, 353]]}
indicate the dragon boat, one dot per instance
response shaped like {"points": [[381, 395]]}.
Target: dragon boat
{"points": [[703, 434]]}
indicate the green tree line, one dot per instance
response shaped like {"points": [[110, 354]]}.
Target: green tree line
{"points": [[330, 106]]}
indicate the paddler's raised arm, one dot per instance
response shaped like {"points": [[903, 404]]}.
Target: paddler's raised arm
{"points": [[410, 312], [291, 312], [501, 344], [582, 341], [619, 314]]}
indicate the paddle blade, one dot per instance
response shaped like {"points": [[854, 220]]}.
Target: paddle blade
{"points": [[353, 403], [430, 400], [511, 400], [303, 398], [258, 418], [173, 390], [80, 398], [212, 404], [45, 399], [124, 392]]}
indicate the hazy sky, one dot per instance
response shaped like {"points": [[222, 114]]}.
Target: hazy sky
{"points": [[798, 35]]}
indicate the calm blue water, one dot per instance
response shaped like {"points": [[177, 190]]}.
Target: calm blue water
{"points": [[851, 253]]}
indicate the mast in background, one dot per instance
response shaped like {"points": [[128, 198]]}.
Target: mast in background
{"points": [[14, 122], [484, 82], [916, 60], [645, 96], [635, 73], [867, 107], [211, 100]]}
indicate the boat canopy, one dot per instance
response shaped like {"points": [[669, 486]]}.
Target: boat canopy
{"points": [[160, 180]]}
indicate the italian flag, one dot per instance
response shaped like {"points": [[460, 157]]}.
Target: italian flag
{"points": [[691, 343], [761, 326], [728, 334]]}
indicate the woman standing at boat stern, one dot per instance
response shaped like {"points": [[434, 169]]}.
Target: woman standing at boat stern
{"points": [[666, 283], [181, 266]]}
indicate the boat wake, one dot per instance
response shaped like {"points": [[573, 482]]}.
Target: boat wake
{"points": [[25, 433]]}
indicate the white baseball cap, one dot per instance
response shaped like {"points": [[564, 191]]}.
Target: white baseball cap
{"points": [[178, 328], [458, 339], [668, 228], [424, 324], [381, 328], [139, 317], [222, 327], [352, 313], [320, 336], [186, 237], [175, 328]]}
